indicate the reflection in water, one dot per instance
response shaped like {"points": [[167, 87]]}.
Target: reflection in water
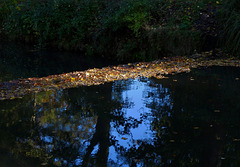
{"points": [[18, 61], [185, 120]]}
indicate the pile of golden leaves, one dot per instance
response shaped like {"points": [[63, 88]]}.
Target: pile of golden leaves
{"points": [[96, 76]]}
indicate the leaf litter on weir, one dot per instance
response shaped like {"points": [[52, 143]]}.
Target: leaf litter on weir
{"points": [[96, 76]]}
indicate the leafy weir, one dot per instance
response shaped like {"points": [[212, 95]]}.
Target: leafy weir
{"points": [[159, 69]]}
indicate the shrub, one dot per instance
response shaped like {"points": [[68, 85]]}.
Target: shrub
{"points": [[229, 17], [4, 12], [125, 29], [62, 22]]}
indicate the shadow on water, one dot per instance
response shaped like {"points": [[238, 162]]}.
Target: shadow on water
{"points": [[19, 61], [185, 120]]}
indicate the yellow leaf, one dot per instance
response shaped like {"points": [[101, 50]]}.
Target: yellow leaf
{"points": [[73, 79], [236, 139], [18, 8]]}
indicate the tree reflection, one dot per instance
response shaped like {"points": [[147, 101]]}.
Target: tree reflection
{"points": [[195, 129], [17, 140], [81, 120], [22, 61], [185, 120]]}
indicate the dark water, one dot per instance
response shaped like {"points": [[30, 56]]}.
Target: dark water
{"points": [[21, 61], [186, 120]]}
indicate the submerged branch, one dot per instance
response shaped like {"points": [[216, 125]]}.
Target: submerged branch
{"points": [[158, 69]]}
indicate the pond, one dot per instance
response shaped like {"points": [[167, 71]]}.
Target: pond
{"points": [[188, 119], [21, 61]]}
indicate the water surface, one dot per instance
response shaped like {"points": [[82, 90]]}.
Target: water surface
{"points": [[188, 119], [21, 61]]}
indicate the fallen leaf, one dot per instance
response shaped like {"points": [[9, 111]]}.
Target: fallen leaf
{"points": [[157, 68], [236, 139]]}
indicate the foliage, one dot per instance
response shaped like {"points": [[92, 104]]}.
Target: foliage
{"points": [[63, 23], [125, 29], [4, 11], [229, 16]]}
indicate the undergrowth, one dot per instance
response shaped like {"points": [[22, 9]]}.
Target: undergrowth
{"points": [[229, 16], [123, 29]]}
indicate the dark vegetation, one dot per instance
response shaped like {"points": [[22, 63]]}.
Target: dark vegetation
{"points": [[133, 30]]}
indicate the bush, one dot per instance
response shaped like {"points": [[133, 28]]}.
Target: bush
{"points": [[229, 17], [4, 12], [123, 29], [65, 23], [146, 30]]}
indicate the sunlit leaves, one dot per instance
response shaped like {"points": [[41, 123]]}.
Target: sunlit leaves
{"points": [[158, 69], [236, 140]]}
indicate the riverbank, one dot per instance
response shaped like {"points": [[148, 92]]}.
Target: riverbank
{"points": [[158, 69], [143, 30]]}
